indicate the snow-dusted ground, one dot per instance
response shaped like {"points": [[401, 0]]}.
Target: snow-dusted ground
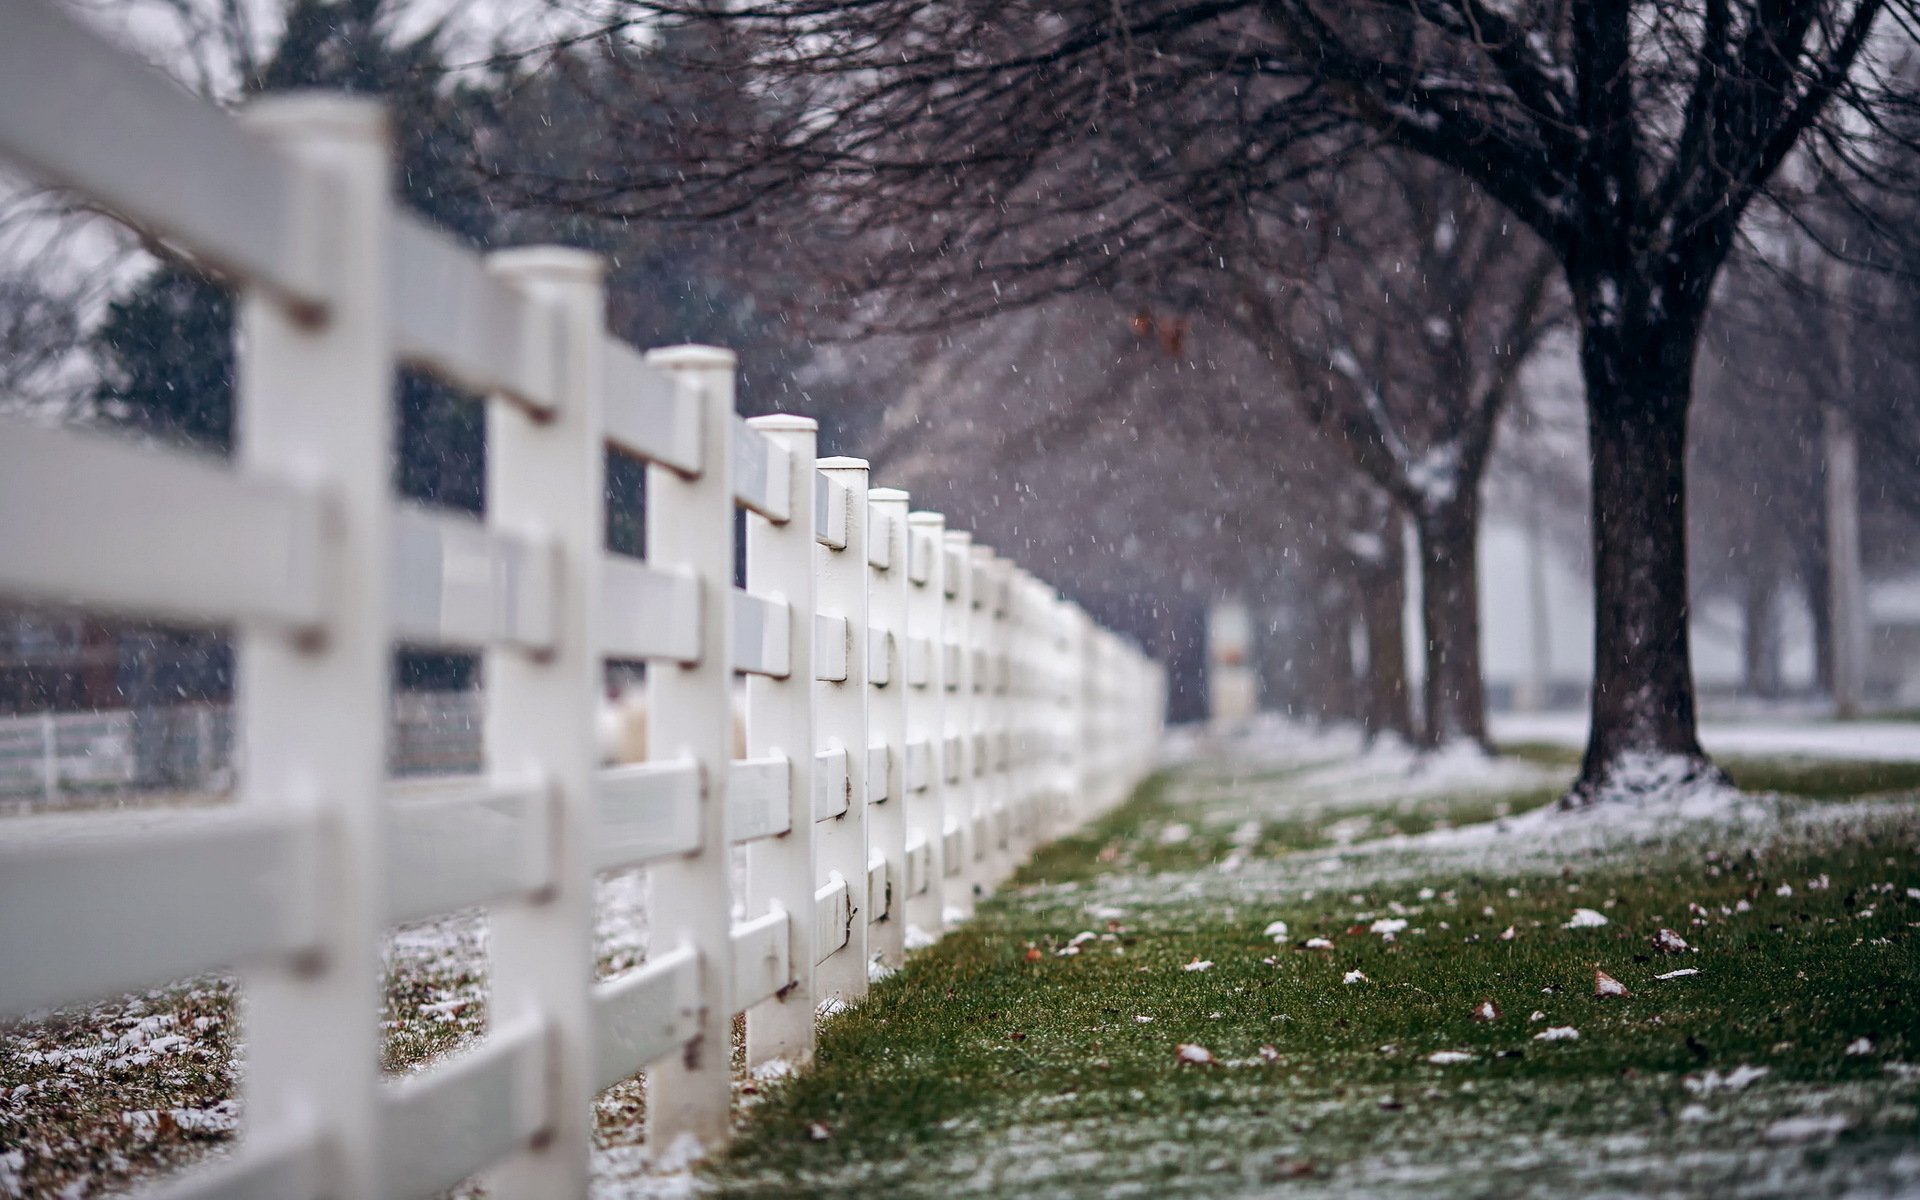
{"points": [[1875, 741], [1747, 1133]]}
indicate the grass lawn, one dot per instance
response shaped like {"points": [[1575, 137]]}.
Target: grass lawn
{"points": [[1038, 1050]]}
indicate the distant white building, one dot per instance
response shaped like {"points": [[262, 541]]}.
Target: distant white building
{"points": [[1536, 630]]}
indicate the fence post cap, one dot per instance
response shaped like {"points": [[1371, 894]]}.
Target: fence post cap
{"points": [[841, 462], [784, 423], [291, 116], [547, 264], [886, 495], [692, 358], [926, 519]]}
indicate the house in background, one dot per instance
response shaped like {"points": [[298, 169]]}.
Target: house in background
{"points": [[1536, 619]]}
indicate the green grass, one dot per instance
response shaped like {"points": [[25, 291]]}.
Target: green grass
{"points": [[985, 1068]]}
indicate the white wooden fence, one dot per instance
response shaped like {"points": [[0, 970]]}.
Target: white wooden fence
{"points": [[920, 714]]}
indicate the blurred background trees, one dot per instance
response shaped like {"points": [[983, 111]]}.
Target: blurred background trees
{"points": [[1225, 329]]}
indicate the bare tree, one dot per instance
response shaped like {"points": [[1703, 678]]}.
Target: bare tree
{"points": [[1162, 480], [1404, 346], [1016, 151]]}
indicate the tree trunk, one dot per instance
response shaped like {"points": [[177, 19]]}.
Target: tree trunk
{"points": [[1330, 648], [1638, 380], [1455, 694], [1759, 635], [1383, 610], [1813, 582]]}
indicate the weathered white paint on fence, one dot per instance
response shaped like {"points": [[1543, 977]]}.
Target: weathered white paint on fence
{"points": [[920, 712]]}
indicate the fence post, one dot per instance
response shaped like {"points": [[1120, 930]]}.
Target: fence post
{"points": [[780, 871], [956, 753], [842, 845], [1074, 739], [990, 767], [690, 717], [545, 476], [1026, 658], [49, 758], [314, 396], [926, 667], [887, 722]]}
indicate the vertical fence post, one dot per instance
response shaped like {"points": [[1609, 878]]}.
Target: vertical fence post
{"points": [[780, 871], [956, 748], [1074, 738], [842, 844], [990, 824], [926, 668], [314, 400], [545, 476], [887, 723], [1006, 833], [690, 717], [49, 758], [1026, 657]]}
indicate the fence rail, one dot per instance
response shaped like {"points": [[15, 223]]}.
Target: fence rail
{"points": [[920, 711]]}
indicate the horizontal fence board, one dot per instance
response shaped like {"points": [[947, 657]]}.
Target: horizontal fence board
{"points": [[757, 798], [647, 811], [830, 789], [762, 473], [458, 583], [830, 500], [649, 412], [919, 865], [879, 539], [82, 114], [646, 612], [456, 843], [922, 545], [919, 656], [465, 1114], [830, 636], [154, 532], [645, 1014], [762, 963], [919, 768], [104, 902], [283, 1166], [833, 918], [762, 635], [454, 318], [878, 894]]}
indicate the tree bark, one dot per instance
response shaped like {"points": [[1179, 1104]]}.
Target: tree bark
{"points": [[1759, 639], [1331, 649], [1644, 736], [1383, 610], [1455, 693], [1813, 582]]}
